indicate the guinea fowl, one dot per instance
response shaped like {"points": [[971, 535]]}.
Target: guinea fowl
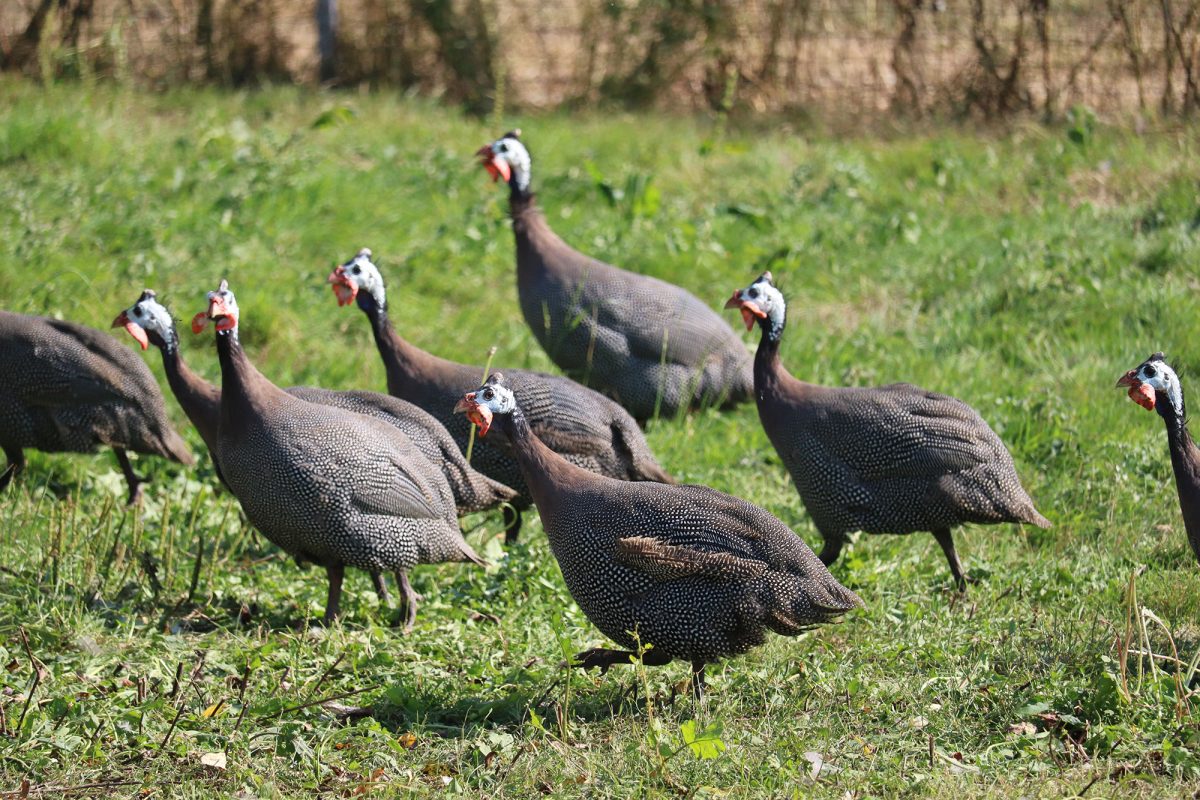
{"points": [[653, 346], [324, 484], [149, 322], [890, 459], [582, 425], [1155, 386], [696, 573], [71, 388]]}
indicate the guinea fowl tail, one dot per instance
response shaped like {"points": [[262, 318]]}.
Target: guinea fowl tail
{"points": [[1034, 518], [797, 603], [171, 445], [502, 493], [469, 554], [741, 388], [1027, 513], [653, 472]]}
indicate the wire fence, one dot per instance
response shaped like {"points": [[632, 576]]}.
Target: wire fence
{"points": [[859, 57]]}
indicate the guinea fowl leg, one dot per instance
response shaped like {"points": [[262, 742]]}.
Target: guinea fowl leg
{"points": [[604, 658], [512, 524], [334, 599], [408, 600], [381, 588], [833, 548], [946, 540], [131, 478], [698, 680], [16, 463]]}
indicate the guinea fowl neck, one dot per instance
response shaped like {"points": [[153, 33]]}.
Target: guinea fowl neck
{"points": [[403, 361], [198, 398], [245, 393], [519, 198], [769, 372], [538, 246], [527, 218], [544, 470], [1185, 461]]}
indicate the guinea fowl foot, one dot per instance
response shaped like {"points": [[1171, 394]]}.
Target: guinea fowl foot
{"points": [[16, 462], [131, 477], [381, 589], [831, 550], [512, 524], [604, 658], [946, 540], [333, 599], [698, 684], [695, 683], [601, 657], [408, 601]]}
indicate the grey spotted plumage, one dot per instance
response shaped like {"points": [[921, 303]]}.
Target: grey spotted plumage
{"points": [[472, 490], [1155, 385], [584, 426], [325, 484], [697, 574], [201, 402], [71, 388], [888, 459], [651, 345]]}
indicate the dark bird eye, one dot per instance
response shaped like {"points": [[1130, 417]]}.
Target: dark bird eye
{"points": [[1149, 371], [137, 310], [502, 147], [753, 292], [488, 394], [356, 269]]}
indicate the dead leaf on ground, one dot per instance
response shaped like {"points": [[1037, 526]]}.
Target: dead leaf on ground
{"points": [[818, 766], [1022, 729]]}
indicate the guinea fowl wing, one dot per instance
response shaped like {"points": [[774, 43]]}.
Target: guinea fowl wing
{"points": [[51, 385], [696, 531], [383, 479], [395, 493], [66, 368], [901, 431], [663, 561], [561, 415], [709, 523], [646, 311], [425, 433], [51, 373]]}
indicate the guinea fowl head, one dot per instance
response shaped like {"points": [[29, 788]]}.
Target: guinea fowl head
{"points": [[761, 302], [359, 280], [485, 402], [148, 320], [1152, 382], [222, 309], [507, 158]]}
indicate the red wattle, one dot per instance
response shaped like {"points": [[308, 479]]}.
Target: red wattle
{"points": [[138, 333], [1143, 395]]}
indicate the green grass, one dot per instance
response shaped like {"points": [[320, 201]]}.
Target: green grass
{"points": [[1021, 271]]}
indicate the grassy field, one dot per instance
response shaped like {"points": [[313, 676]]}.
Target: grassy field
{"points": [[1021, 271]]}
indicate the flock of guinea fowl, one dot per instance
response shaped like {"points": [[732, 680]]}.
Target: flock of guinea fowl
{"points": [[667, 571]]}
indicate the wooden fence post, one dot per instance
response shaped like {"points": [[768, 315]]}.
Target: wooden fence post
{"points": [[327, 38]]}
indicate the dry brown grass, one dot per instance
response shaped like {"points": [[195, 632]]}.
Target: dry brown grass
{"points": [[816, 56]]}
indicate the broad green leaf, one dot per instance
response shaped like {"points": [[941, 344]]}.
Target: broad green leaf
{"points": [[707, 743]]}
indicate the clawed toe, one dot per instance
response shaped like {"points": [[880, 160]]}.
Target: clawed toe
{"points": [[962, 581], [599, 657]]}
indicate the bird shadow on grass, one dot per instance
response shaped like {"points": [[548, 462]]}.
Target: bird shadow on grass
{"points": [[437, 707]]}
